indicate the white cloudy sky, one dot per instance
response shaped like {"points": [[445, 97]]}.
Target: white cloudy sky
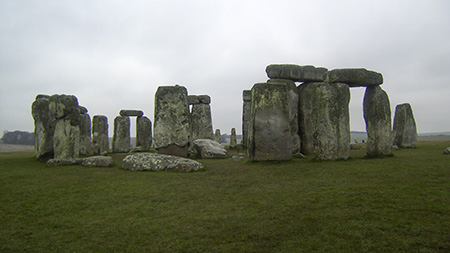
{"points": [[114, 54]]}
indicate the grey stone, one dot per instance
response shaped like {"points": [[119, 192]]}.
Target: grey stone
{"points": [[246, 111], [65, 107], [131, 113], [217, 136], [85, 135], [83, 110], [296, 73], [171, 124], [159, 162], [447, 151], [93, 161], [324, 120], [44, 127], [405, 131], [233, 141], [193, 100], [199, 99], [247, 95], [204, 99], [377, 114], [40, 96], [143, 133], [201, 122], [354, 77], [209, 149], [121, 137], [269, 130], [100, 138]]}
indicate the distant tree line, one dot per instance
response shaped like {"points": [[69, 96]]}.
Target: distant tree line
{"points": [[18, 137]]}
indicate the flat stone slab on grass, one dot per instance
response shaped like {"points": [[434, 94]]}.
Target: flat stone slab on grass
{"points": [[358, 77], [209, 149], [92, 161], [158, 162]]}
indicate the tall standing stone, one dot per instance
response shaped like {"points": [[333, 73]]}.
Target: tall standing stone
{"points": [[44, 127], [171, 124], [143, 133], [100, 138], [85, 135], [269, 129], [246, 110], [66, 139], [324, 120], [121, 137], [217, 136], [405, 131], [377, 114], [233, 141], [201, 120]]}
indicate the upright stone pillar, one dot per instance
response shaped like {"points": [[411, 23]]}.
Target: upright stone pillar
{"points": [[121, 137], [44, 127], [269, 129], [85, 132], [144, 133], [233, 141], [246, 110], [171, 124], [100, 138], [201, 120], [324, 120], [405, 131], [66, 139], [217, 136], [377, 114]]}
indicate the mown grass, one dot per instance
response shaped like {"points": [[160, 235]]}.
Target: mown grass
{"points": [[399, 203]]}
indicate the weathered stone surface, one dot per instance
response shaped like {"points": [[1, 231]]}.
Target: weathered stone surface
{"points": [[405, 131], [217, 136], [143, 133], [85, 135], [93, 161], [201, 122], [269, 128], [354, 146], [246, 111], [354, 77], [171, 125], [204, 99], [131, 113], [83, 110], [199, 99], [44, 127], [158, 162], [100, 138], [296, 73], [233, 141], [121, 137], [209, 149], [39, 96], [65, 107], [324, 120], [377, 114], [447, 151]]}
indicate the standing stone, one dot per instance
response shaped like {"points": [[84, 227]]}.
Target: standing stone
{"points": [[269, 130], [324, 120], [66, 139], [233, 141], [171, 124], [85, 135], [143, 133], [246, 110], [377, 114], [201, 122], [217, 136], [44, 127], [405, 131], [100, 138], [121, 137]]}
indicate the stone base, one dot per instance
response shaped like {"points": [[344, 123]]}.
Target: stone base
{"points": [[174, 150]]}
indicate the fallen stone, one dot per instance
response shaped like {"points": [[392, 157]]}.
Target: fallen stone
{"points": [[447, 151], [405, 130], [93, 161], [354, 77], [131, 113], [159, 162], [296, 73], [209, 149]]}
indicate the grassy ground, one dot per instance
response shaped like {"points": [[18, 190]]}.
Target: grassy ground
{"points": [[400, 203]]}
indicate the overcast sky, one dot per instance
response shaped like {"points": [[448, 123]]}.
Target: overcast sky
{"points": [[113, 55]]}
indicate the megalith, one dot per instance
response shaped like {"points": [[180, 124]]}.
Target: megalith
{"points": [[217, 136], [201, 120], [246, 110], [269, 130], [233, 141], [121, 137], [171, 124], [307, 73], [324, 120], [85, 132], [100, 138], [354, 77], [143, 133], [66, 139], [44, 127], [405, 131], [377, 114]]}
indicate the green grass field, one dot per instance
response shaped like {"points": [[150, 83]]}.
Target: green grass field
{"points": [[399, 203]]}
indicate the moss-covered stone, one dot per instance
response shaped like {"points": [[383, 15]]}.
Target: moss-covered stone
{"points": [[354, 77], [405, 130], [121, 137]]}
